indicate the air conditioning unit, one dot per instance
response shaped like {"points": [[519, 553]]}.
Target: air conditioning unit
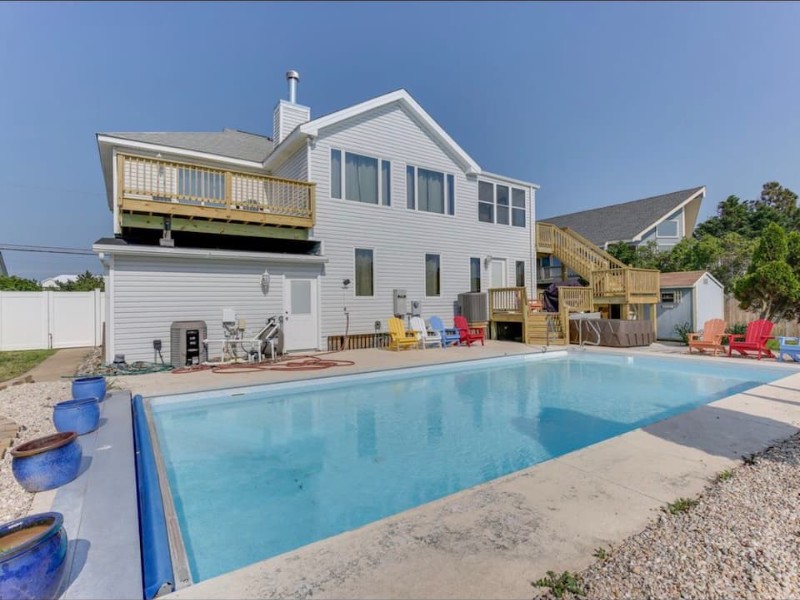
{"points": [[186, 343], [474, 306]]}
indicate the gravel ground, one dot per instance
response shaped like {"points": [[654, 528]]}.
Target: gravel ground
{"points": [[741, 541], [31, 406]]}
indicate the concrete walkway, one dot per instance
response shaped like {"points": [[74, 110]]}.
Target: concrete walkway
{"points": [[492, 540], [63, 363]]}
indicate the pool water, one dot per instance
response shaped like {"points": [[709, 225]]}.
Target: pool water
{"points": [[259, 473]]}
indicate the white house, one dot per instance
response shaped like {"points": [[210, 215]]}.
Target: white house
{"points": [[318, 224]]}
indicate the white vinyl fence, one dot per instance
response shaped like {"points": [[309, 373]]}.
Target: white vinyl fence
{"points": [[34, 320]]}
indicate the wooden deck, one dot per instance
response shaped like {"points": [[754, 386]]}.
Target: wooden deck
{"points": [[150, 187]]}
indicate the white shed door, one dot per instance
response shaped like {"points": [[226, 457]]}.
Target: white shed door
{"points": [[300, 314], [498, 273]]}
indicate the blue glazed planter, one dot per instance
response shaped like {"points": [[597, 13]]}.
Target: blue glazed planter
{"points": [[47, 462], [80, 416], [32, 553], [89, 387]]}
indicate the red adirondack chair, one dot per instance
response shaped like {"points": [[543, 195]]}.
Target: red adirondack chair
{"points": [[754, 340], [468, 334]]}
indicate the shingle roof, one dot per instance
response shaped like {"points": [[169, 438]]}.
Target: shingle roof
{"points": [[680, 279], [230, 142], [622, 221]]}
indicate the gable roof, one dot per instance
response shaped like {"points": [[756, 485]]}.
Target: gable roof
{"points": [[627, 221], [400, 97], [229, 142], [681, 279]]}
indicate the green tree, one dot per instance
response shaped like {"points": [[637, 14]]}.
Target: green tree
{"points": [[86, 282], [12, 283], [623, 252], [732, 217], [770, 286]]}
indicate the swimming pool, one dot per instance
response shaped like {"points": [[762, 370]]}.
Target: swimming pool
{"points": [[255, 472]]}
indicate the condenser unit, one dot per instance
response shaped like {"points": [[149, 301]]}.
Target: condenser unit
{"points": [[474, 306], [186, 343]]}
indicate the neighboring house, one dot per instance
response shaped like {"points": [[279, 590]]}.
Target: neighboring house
{"points": [[689, 299], [318, 224], [3, 270], [52, 282], [664, 219]]}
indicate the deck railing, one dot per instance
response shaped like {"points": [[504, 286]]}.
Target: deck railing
{"points": [[511, 300], [576, 299], [643, 282], [163, 186]]}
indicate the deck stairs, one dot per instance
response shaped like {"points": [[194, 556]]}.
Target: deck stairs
{"points": [[610, 280], [544, 329]]}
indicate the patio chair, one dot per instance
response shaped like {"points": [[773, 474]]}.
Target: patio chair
{"points": [[400, 338], [789, 346], [468, 334], [427, 337], [710, 338], [754, 340], [450, 337]]}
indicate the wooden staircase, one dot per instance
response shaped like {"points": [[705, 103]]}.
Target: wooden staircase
{"points": [[610, 280], [544, 329]]}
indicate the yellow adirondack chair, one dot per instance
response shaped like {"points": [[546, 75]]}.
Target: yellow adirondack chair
{"points": [[400, 338], [711, 339]]}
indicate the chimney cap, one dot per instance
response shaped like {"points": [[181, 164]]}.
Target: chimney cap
{"points": [[292, 74]]}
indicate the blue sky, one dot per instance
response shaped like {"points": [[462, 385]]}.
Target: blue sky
{"points": [[597, 103]]}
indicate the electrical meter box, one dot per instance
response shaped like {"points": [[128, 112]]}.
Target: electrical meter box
{"points": [[399, 303]]}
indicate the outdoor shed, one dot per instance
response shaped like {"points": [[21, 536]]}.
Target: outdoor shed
{"points": [[689, 298]]}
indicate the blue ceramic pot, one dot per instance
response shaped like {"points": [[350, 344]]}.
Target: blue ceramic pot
{"points": [[80, 416], [32, 553], [47, 462], [89, 387]]}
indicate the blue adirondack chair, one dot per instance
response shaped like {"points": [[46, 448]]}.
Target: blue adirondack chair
{"points": [[790, 346], [450, 337]]}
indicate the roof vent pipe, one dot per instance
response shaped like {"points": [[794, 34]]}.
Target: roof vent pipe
{"points": [[292, 77]]}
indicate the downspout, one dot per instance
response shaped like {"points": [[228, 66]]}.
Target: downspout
{"points": [[532, 292]]}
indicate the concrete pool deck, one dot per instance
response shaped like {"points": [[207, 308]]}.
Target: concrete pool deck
{"points": [[492, 540]]}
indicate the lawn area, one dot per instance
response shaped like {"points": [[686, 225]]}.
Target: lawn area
{"points": [[13, 364]]}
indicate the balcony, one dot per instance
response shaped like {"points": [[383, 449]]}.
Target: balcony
{"points": [[207, 199]]}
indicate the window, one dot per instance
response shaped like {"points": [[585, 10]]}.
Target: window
{"points": [[426, 190], [336, 173], [474, 274], [386, 182], [410, 195], [485, 202], [501, 204], [432, 275], [667, 229], [517, 207], [520, 273], [667, 297], [364, 179], [364, 272]]}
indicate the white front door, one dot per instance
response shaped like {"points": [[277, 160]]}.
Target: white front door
{"points": [[300, 313], [498, 273]]}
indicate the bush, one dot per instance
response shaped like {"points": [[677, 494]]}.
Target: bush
{"points": [[683, 331]]}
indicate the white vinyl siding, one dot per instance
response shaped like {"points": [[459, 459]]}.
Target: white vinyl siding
{"points": [[295, 167], [401, 237], [150, 293]]}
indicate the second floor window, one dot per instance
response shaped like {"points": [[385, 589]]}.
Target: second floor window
{"points": [[430, 191], [501, 204], [360, 178]]}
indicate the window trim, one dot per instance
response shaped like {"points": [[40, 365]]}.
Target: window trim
{"points": [[425, 271], [381, 201], [355, 273], [446, 189]]}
